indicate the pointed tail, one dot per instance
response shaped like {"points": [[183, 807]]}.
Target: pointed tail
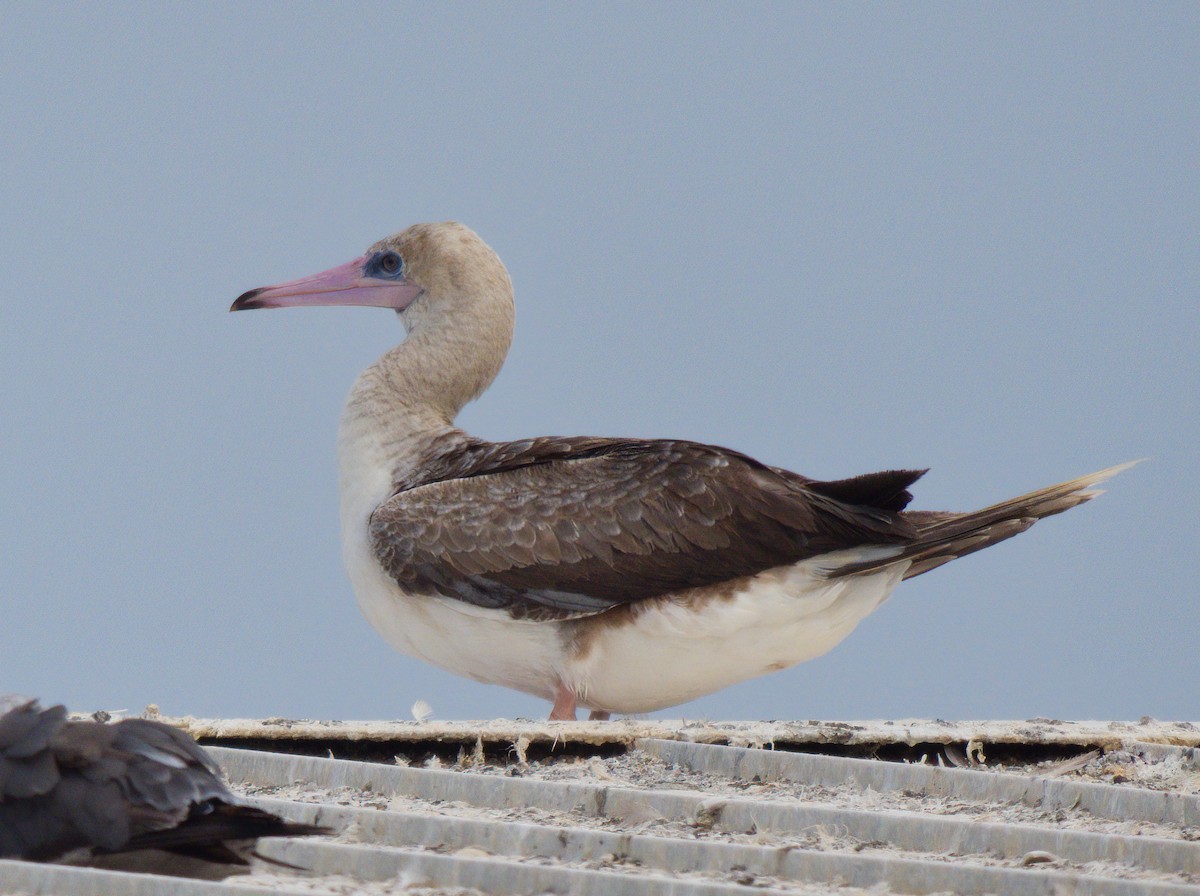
{"points": [[944, 536]]}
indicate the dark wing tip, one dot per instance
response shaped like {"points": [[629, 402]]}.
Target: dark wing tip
{"points": [[246, 301], [883, 491]]}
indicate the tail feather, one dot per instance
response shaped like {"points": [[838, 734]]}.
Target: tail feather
{"points": [[209, 826], [944, 536]]}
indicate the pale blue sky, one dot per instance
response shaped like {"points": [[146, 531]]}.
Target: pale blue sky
{"points": [[837, 237]]}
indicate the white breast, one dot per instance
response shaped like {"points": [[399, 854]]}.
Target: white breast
{"points": [[486, 645]]}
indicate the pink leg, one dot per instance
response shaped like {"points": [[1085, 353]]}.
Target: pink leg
{"points": [[599, 715], [564, 705]]}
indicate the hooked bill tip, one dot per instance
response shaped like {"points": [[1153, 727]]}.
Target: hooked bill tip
{"points": [[246, 300]]}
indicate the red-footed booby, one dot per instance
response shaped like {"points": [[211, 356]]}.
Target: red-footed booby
{"points": [[619, 575]]}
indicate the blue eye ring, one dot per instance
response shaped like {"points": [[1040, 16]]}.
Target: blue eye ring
{"points": [[385, 266]]}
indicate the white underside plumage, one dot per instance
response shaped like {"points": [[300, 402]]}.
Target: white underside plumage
{"points": [[667, 653], [674, 652]]}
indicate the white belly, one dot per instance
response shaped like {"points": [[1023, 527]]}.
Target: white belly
{"points": [[671, 653], [486, 645]]}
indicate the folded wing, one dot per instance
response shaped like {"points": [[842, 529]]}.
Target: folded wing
{"points": [[553, 528]]}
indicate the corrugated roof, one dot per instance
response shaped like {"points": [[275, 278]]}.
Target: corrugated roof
{"points": [[659, 807]]}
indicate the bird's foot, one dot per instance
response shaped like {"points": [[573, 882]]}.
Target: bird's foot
{"points": [[564, 705]]}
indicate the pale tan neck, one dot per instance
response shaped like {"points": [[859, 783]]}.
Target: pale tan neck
{"points": [[409, 398], [386, 435]]}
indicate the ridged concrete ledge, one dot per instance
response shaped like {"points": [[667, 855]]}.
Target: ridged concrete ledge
{"points": [[413, 868], [906, 830], [1108, 735], [649, 807], [1102, 800], [519, 840], [34, 879]]}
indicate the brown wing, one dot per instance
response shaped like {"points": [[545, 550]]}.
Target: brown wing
{"points": [[552, 528]]}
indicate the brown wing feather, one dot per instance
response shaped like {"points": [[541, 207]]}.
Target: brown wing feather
{"points": [[551, 528]]}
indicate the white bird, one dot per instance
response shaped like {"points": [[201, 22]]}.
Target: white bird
{"points": [[620, 575]]}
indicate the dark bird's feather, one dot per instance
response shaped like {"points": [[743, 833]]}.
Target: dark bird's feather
{"points": [[134, 784]]}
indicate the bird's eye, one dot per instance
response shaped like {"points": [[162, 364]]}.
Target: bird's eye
{"points": [[385, 266]]}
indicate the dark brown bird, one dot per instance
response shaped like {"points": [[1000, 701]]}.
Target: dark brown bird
{"points": [[76, 789], [623, 575]]}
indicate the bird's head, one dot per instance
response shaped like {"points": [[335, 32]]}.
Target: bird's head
{"points": [[427, 271], [449, 288]]}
